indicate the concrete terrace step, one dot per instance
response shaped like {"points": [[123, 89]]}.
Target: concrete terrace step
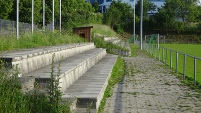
{"points": [[28, 60], [70, 69], [114, 41], [91, 86]]}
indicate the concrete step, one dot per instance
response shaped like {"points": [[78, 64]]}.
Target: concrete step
{"points": [[114, 41], [110, 38], [28, 60], [71, 69], [89, 89]]}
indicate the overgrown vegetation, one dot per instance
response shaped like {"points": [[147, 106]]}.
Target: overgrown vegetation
{"points": [[134, 48], [104, 30], [36, 40], [174, 17], [13, 100], [74, 12], [116, 76], [110, 47]]}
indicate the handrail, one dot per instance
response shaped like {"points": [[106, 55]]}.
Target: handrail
{"points": [[153, 49]]}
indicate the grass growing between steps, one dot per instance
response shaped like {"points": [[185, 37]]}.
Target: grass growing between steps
{"points": [[116, 76], [36, 40], [13, 100], [110, 47]]}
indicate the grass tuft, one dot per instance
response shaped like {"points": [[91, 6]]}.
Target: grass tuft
{"points": [[116, 77]]}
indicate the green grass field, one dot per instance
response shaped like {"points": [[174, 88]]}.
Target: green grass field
{"points": [[190, 49]]}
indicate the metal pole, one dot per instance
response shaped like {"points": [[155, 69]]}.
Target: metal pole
{"points": [[134, 23], [32, 17], [170, 59], [177, 62], [162, 54], [141, 21], [60, 17], [158, 41], [53, 16], [17, 22], [184, 67], [159, 54], [43, 14], [166, 57], [194, 71]]}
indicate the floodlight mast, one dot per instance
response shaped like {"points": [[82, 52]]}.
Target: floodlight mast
{"points": [[141, 24], [17, 20], [134, 23], [32, 17]]}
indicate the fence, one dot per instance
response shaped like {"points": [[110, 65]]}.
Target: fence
{"points": [[8, 27], [187, 65]]}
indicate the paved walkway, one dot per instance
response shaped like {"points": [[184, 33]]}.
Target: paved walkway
{"points": [[150, 87]]}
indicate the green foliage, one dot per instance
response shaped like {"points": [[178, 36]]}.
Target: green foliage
{"points": [[147, 6], [12, 100], [37, 39], [184, 39], [103, 29], [25, 11], [110, 47], [177, 16], [191, 49], [116, 76], [117, 19], [78, 12], [74, 12], [5, 8], [96, 6], [134, 48]]}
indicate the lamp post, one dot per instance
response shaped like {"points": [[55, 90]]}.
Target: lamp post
{"points": [[17, 20], [53, 16], [44, 15], [141, 22], [32, 17], [60, 16], [134, 23]]}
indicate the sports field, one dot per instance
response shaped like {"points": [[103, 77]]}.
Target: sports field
{"points": [[190, 50]]}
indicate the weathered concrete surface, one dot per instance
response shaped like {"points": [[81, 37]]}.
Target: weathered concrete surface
{"points": [[90, 88], [150, 87], [70, 69], [28, 60]]}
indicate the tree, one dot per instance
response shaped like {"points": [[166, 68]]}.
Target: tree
{"points": [[164, 20], [25, 11], [119, 19], [76, 13], [96, 6], [147, 6], [181, 8], [5, 8]]}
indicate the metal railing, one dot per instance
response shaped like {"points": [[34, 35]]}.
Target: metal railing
{"points": [[185, 64]]}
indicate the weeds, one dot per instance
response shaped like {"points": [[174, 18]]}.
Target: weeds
{"points": [[13, 100], [36, 40], [110, 47], [116, 76]]}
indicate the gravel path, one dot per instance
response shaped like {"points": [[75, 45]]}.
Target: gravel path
{"points": [[150, 87]]}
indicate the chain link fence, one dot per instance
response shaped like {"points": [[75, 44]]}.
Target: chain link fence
{"points": [[8, 27]]}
